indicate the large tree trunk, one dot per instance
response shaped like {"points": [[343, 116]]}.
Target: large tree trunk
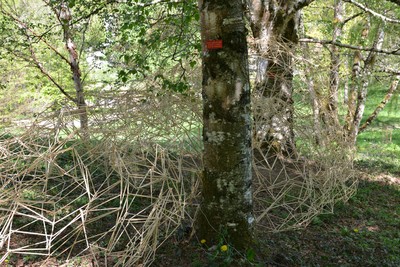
{"points": [[274, 26], [227, 196]]}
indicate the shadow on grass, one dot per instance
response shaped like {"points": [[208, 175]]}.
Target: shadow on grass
{"points": [[362, 232]]}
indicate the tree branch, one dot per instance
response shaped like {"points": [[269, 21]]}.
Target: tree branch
{"points": [[301, 4], [352, 17], [390, 71], [40, 38], [353, 47], [382, 104], [45, 73], [376, 14]]}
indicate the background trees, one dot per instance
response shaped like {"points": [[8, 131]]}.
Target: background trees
{"points": [[358, 28]]}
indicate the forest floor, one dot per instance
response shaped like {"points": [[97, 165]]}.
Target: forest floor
{"points": [[365, 231]]}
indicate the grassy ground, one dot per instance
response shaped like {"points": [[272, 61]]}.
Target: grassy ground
{"points": [[363, 232], [379, 145]]}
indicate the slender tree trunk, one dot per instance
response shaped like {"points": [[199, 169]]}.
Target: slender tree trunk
{"points": [[346, 89], [314, 99], [65, 18], [362, 93], [80, 97], [227, 196], [352, 93], [335, 65]]}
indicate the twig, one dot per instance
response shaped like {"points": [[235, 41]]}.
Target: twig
{"points": [[353, 47], [40, 37], [374, 13], [45, 73]]}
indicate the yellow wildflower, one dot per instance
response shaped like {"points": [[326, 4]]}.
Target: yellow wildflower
{"points": [[356, 230], [224, 248], [203, 241]]}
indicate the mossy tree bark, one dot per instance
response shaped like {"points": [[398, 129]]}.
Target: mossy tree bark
{"points": [[226, 208]]}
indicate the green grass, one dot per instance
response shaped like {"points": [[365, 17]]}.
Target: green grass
{"points": [[362, 232], [379, 145]]}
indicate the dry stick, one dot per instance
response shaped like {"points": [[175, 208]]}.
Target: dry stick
{"points": [[129, 224], [382, 104]]}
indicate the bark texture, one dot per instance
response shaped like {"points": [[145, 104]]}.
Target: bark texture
{"points": [[227, 196], [335, 64], [274, 26], [65, 17], [356, 105]]}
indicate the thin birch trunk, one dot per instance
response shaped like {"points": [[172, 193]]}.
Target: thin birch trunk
{"points": [[352, 93], [362, 94], [335, 64], [314, 98]]}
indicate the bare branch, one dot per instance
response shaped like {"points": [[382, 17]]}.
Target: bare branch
{"points": [[390, 71], [374, 13], [382, 104], [45, 73], [353, 47], [40, 37], [352, 17]]}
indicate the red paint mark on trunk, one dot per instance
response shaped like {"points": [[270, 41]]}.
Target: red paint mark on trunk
{"points": [[214, 44]]}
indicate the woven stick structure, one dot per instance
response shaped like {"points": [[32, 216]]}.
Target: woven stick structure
{"points": [[117, 197]]}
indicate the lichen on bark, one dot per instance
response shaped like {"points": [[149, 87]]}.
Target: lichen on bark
{"points": [[227, 197]]}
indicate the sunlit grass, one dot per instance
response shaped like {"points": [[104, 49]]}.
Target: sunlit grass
{"points": [[379, 145]]}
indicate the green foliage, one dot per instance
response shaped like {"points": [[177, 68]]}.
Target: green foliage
{"points": [[160, 39]]}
